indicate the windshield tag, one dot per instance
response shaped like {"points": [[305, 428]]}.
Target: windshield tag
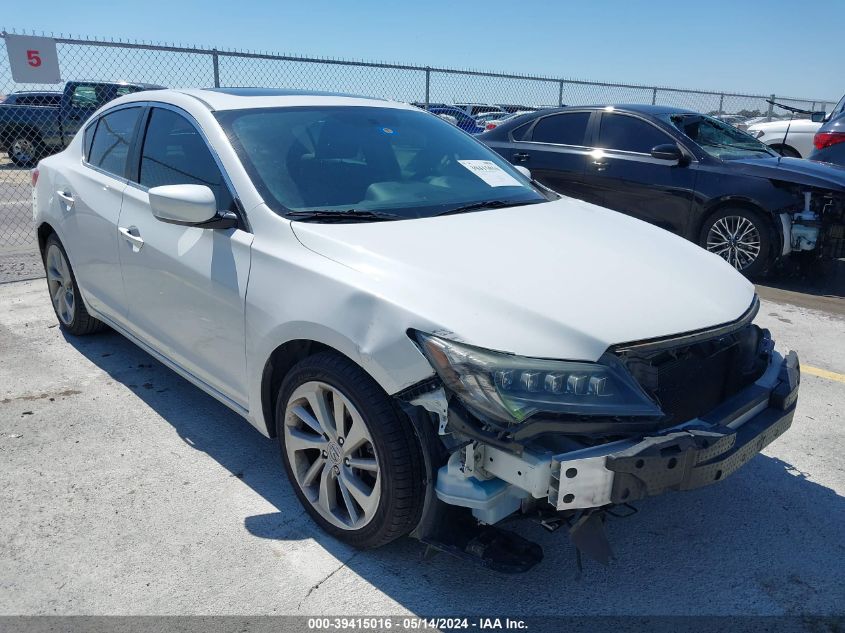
{"points": [[491, 173]]}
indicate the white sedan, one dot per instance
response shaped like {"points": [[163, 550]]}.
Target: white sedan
{"points": [[789, 138], [793, 138], [436, 341]]}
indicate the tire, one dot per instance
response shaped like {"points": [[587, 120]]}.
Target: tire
{"points": [[25, 148], [64, 292], [324, 474], [786, 150], [742, 237]]}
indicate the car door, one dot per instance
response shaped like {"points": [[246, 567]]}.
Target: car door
{"points": [[89, 194], [186, 285], [554, 148], [628, 179]]}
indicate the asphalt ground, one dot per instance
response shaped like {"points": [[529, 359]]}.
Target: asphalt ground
{"points": [[125, 490]]}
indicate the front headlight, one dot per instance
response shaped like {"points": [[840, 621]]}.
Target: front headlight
{"points": [[510, 388]]}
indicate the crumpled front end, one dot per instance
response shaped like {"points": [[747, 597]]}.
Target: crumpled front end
{"points": [[721, 396]]}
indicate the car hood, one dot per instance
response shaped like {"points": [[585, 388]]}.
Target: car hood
{"points": [[793, 170], [562, 279]]}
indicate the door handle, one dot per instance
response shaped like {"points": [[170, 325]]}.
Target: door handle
{"points": [[136, 240], [66, 197], [521, 157]]}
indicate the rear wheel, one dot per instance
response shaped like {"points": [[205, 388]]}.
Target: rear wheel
{"points": [[353, 460], [741, 237], [64, 292]]}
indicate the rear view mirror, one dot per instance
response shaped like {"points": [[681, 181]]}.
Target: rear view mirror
{"points": [[818, 117], [668, 152], [189, 205]]}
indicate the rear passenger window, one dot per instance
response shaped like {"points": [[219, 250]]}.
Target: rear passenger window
{"points": [[110, 147], [521, 133], [175, 154], [629, 134], [563, 129]]}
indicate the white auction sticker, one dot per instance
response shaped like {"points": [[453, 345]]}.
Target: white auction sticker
{"points": [[490, 173]]}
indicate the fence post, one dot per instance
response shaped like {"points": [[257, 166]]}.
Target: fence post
{"points": [[427, 86], [654, 96], [771, 109], [721, 104], [215, 60], [560, 93], [813, 107]]}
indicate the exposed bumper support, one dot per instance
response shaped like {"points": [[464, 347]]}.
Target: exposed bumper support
{"points": [[694, 454], [697, 454]]}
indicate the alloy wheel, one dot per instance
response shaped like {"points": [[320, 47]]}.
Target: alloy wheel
{"points": [[736, 239], [60, 284], [332, 455]]}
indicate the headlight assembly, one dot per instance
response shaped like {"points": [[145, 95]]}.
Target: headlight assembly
{"points": [[510, 388]]}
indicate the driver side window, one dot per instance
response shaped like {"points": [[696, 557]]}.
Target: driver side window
{"points": [[174, 153]]}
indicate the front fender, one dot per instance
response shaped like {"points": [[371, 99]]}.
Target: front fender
{"points": [[308, 297]]}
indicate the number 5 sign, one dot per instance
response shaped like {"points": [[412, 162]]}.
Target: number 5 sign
{"points": [[33, 60]]}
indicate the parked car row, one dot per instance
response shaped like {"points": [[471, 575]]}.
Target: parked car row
{"points": [[436, 341], [475, 118]]}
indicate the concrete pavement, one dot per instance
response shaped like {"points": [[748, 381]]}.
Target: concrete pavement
{"points": [[125, 490]]}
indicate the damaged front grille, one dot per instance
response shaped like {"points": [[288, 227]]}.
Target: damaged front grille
{"points": [[692, 378], [830, 207]]}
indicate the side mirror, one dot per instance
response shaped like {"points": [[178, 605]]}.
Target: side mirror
{"points": [[668, 152], [189, 205], [449, 118], [524, 171], [818, 117]]}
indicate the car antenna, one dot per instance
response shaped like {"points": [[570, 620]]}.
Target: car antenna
{"points": [[792, 112]]}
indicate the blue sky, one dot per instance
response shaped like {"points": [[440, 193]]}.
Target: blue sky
{"points": [[758, 47]]}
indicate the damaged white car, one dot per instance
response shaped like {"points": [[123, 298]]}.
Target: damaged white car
{"points": [[437, 342]]}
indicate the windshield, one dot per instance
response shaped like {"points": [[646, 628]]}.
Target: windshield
{"points": [[336, 159], [717, 138]]}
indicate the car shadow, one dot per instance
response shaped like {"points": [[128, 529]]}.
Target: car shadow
{"points": [[765, 541], [827, 282]]}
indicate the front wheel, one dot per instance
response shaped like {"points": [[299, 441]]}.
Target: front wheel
{"points": [[741, 237], [354, 461]]}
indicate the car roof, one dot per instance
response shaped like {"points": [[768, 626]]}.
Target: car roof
{"points": [[640, 108], [240, 98]]}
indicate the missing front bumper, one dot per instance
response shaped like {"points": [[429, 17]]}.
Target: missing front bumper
{"points": [[684, 458], [692, 458]]}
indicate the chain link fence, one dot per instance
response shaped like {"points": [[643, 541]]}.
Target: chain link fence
{"points": [[33, 123]]}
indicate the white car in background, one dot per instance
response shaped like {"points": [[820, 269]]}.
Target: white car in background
{"points": [[436, 342], [797, 143], [798, 133]]}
